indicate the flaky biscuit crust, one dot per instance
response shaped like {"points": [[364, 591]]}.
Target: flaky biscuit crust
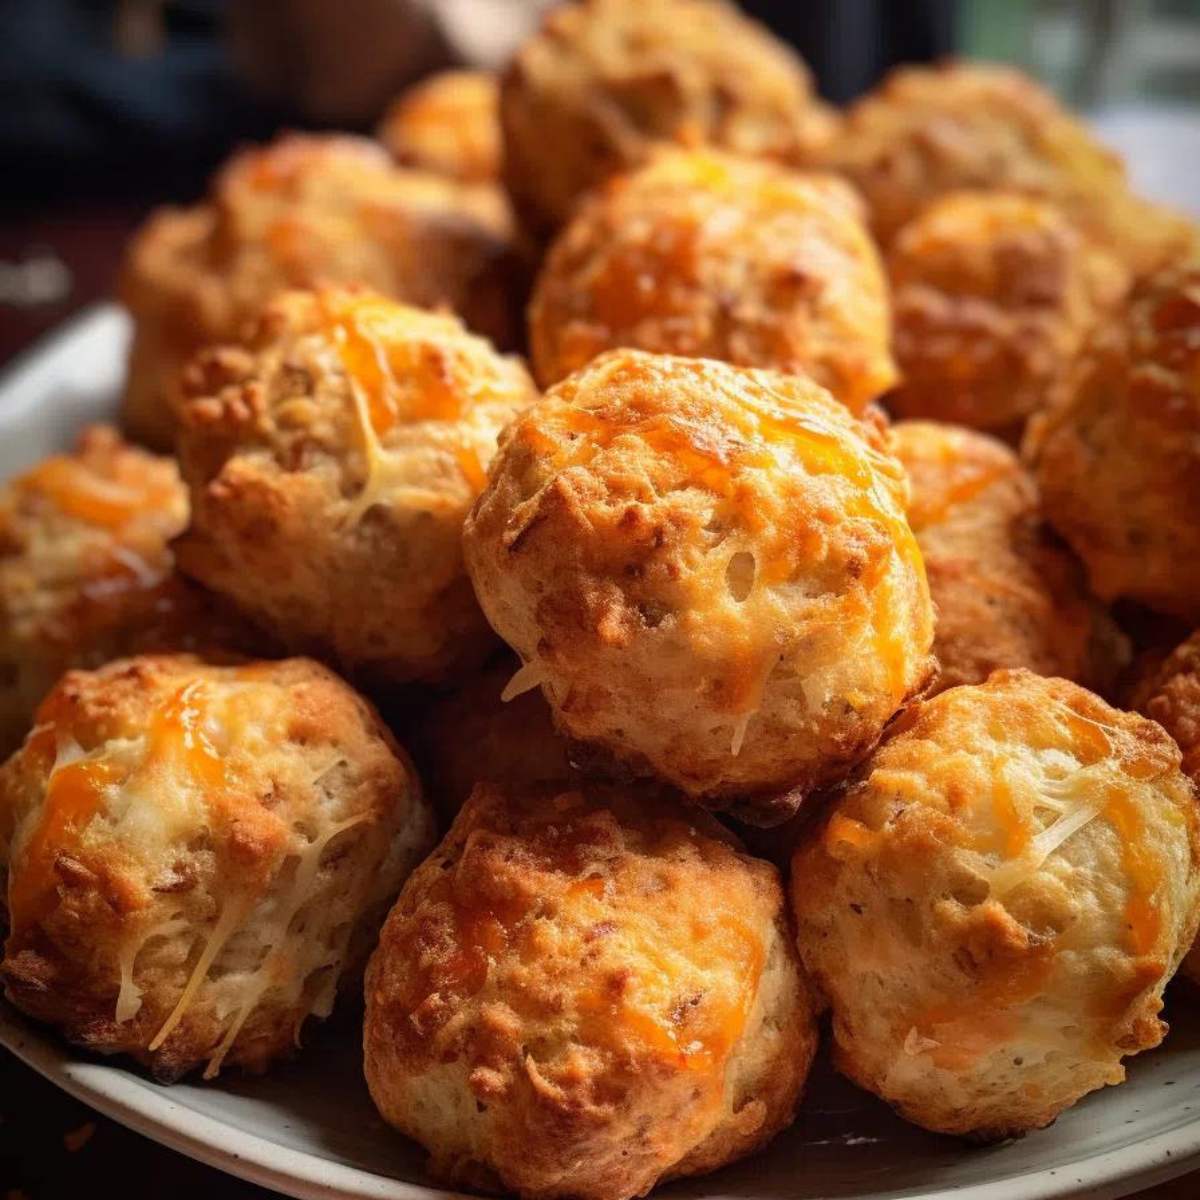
{"points": [[994, 295], [305, 210], [1006, 591], [329, 491], [709, 572], [87, 574], [711, 256], [195, 855], [582, 993], [1118, 457], [994, 907], [604, 81]]}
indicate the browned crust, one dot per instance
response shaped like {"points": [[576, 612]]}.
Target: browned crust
{"points": [[483, 987], [61, 965], [713, 256], [604, 81], [1007, 592]]}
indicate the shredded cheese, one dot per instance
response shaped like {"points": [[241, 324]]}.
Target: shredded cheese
{"points": [[129, 997], [276, 938], [373, 453], [739, 731], [1013, 873], [527, 677], [229, 920]]}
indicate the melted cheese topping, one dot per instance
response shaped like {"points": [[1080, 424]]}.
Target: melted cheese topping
{"points": [[647, 1012], [292, 956], [406, 366], [684, 206], [767, 437], [126, 811], [79, 492], [1080, 791], [954, 1034], [76, 793]]}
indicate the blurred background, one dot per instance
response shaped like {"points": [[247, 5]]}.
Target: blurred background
{"points": [[108, 107]]}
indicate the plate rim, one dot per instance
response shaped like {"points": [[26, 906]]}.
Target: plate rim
{"points": [[149, 1109]]}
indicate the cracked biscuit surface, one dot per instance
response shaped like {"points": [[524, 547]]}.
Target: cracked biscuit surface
{"points": [[332, 458], [994, 906], [583, 992], [196, 855], [709, 572], [304, 210]]}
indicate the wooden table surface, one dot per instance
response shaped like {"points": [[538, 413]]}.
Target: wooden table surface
{"points": [[53, 1147]]}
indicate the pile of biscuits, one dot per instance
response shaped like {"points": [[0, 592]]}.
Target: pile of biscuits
{"points": [[746, 716]]}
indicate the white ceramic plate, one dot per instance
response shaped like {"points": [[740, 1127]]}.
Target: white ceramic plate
{"points": [[309, 1128]]}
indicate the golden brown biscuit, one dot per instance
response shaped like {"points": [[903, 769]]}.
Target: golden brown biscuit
{"points": [[994, 907], [303, 210], [711, 256], [994, 295], [1169, 693], [449, 124], [709, 571], [581, 993], [929, 130], [196, 854], [479, 734], [332, 458], [1118, 457], [1006, 592], [605, 81], [86, 572]]}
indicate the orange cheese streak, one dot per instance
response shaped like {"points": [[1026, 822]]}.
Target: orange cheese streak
{"points": [[1014, 831], [79, 492], [178, 742], [971, 1025], [931, 509], [472, 468], [74, 795], [1143, 916], [844, 830], [694, 1039], [715, 461], [397, 380], [1089, 739]]}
